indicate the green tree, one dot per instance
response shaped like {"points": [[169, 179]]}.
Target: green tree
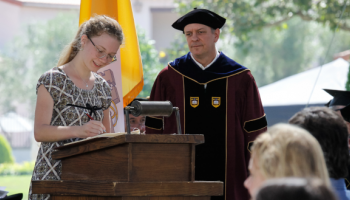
{"points": [[178, 48], [274, 39], [347, 85], [271, 54], [245, 16], [278, 54], [5, 151], [150, 62]]}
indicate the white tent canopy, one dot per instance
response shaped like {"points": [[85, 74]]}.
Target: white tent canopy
{"points": [[296, 89]]}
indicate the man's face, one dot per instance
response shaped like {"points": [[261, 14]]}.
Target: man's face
{"points": [[201, 39], [136, 122]]}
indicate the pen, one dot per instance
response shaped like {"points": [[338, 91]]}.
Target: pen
{"points": [[93, 119], [89, 116]]}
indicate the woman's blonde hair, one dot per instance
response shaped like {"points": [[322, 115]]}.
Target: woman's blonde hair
{"points": [[289, 151], [95, 26]]}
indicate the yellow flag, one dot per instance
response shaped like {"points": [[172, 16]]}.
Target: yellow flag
{"points": [[130, 57]]}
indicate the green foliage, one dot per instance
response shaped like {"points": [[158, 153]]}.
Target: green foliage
{"points": [[245, 16], [347, 85], [179, 48], [278, 54], [14, 169], [270, 52], [150, 62], [5, 151]]}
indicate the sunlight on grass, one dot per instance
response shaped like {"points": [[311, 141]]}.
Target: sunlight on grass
{"points": [[16, 184]]}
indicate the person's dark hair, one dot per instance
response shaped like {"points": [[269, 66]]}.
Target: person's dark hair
{"points": [[295, 189], [331, 132]]}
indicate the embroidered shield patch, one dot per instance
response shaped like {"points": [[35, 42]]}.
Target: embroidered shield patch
{"points": [[194, 101], [216, 101]]}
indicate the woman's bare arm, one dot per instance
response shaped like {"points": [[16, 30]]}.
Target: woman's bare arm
{"points": [[44, 132]]}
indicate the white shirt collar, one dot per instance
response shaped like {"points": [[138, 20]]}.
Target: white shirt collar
{"points": [[201, 66]]}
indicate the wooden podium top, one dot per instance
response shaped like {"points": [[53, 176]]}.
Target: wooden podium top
{"points": [[101, 143]]}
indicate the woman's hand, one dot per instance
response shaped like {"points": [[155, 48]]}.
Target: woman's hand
{"points": [[91, 129]]}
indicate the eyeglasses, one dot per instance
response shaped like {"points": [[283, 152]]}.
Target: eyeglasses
{"points": [[102, 54]]}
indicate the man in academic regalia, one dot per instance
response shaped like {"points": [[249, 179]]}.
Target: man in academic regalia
{"points": [[217, 97], [340, 100]]}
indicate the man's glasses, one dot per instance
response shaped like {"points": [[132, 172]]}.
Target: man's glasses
{"points": [[102, 54]]}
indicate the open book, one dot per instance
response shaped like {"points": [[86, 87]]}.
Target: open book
{"points": [[104, 135]]}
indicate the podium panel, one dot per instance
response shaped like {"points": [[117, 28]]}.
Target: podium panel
{"points": [[130, 167], [160, 162], [109, 164]]}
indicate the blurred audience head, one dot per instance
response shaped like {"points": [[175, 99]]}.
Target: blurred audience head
{"points": [[295, 189], [285, 151], [331, 132]]}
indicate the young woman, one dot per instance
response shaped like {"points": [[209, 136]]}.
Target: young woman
{"points": [[285, 151], [67, 92]]}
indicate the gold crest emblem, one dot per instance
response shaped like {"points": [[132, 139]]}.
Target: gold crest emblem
{"points": [[194, 101], [216, 101]]}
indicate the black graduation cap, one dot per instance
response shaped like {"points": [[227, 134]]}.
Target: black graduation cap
{"points": [[341, 97], [345, 112], [200, 16]]}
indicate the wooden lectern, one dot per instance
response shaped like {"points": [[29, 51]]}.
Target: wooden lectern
{"points": [[130, 167]]}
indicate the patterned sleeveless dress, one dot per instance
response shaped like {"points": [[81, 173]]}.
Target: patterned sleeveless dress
{"points": [[63, 92]]}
